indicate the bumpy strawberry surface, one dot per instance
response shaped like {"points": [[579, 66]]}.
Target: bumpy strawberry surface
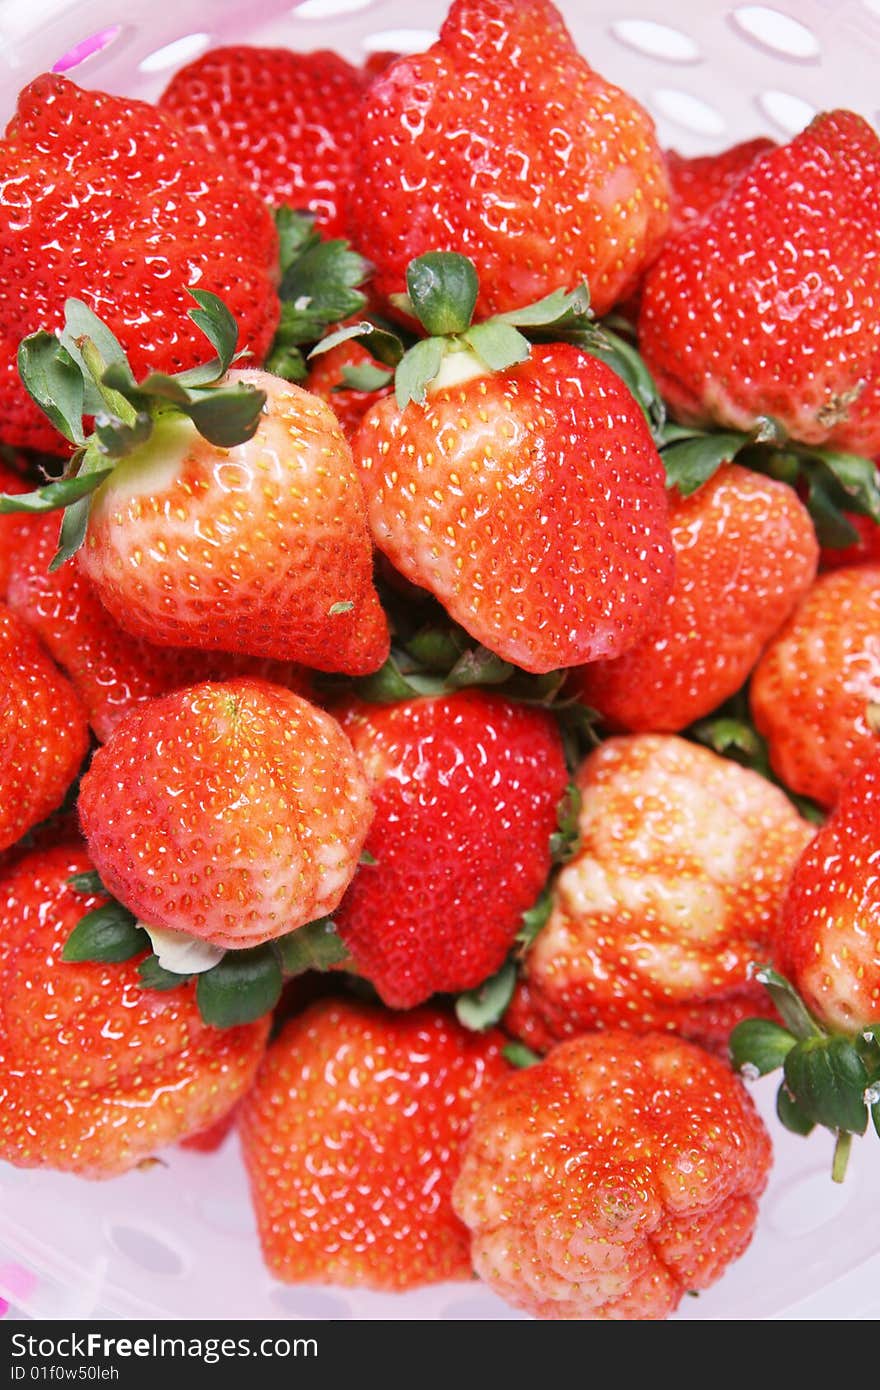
{"points": [[830, 939], [502, 143], [352, 1135], [612, 1177], [697, 184], [110, 201], [465, 788], [43, 731], [530, 502], [768, 306], [245, 549], [110, 670], [811, 691], [287, 121], [745, 552], [676, 889], [97, 1073], [235, 811]]}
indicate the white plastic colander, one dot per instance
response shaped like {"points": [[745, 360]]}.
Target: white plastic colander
{"points": [[179, 1240]]}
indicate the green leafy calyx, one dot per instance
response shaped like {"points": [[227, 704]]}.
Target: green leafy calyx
{"points": [[83, 372], [828, 1079]]}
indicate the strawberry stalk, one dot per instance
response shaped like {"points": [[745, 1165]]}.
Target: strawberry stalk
{"points": [[829, 1079]]}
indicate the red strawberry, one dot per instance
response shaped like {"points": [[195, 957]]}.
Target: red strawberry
{"points": [[230, 518], [698, 184], [865, 550], [234, 811], [110, 670], [768, 305], [530, 501], [43, 731], [287, 121], [812, 690], [611, 1178], [502, 142], [109, 200], [465, 788], [745, 552], [208, 1141], [352, 1135], [829, 945], [675, 890], [326, 379], [97, 1073]]}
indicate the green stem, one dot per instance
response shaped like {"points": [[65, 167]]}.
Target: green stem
{"points": [[841, 1155], [96, 367]]}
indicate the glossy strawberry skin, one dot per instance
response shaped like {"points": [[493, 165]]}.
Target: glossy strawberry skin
{"points": [[43, 731], [530, 502], [830, 939], [606, 1181], [767, 306], [107, 200], [110, 670], [234, 810], [501, 143], [811, 690], [465, 788], [676, 888], [286, 121], [745, 552], [98, 1073], [244, 550], [352, 1135], [697, 184]]}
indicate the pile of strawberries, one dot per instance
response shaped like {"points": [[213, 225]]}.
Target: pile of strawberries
{"points": [[427, 743]]}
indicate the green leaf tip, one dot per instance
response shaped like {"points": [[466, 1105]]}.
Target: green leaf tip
{"points": [[481, 1008], [442, 288], [109, 933], [244, 986]]}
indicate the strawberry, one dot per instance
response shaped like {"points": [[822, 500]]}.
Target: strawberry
{"points": [[225, 512], [286, 121], [96, 1074], [767, 306], [676, 888], [502, 142], [828, 944], [526, 495], [465, 788], [11, 526], [120, 206], [812, 691], [234, 811], [745, 552], [698, 184], [110, 670], [208, 1141], [43, 731], [328, 378], [351, 1136], [611, 1178], [829, 995], [864, 550]]}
